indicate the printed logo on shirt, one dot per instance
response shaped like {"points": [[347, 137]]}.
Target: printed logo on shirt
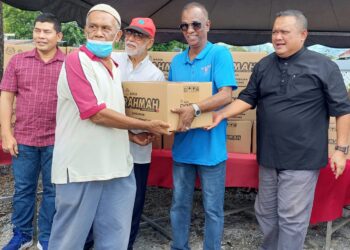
{"points": [[206, 68]]}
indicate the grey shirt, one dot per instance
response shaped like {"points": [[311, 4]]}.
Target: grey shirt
{"points": [[294, 98]]}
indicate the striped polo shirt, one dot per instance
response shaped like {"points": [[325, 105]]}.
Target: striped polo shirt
{"points": [[85, 151]]}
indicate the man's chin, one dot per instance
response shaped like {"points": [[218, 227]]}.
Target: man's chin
{"points": [[131, 52]]}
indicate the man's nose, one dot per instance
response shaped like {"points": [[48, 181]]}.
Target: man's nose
{"points": [[99, 32]]}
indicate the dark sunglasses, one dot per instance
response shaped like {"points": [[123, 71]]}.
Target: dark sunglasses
{"points": [[135, 34], [195, 25]]}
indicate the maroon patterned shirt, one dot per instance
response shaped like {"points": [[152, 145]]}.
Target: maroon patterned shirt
{"points": [[34, 83]]}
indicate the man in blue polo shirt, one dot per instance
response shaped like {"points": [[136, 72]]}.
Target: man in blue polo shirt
{"points": [[199, 151]]}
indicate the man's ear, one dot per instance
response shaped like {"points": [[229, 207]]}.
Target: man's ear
{"points": [[59, 36], [118, 36], [304, 34], [150, 43], [207, 25]]}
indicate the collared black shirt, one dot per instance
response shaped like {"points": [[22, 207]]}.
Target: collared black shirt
{"points": [[295, 97]]}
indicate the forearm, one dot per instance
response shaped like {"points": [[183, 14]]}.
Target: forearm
{"points": [[343, 128], [110, 118], [6, 103], [235, 108], [220, 99]]}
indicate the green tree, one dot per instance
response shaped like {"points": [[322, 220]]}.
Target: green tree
{"points": [[169, 46], [18, 21], [73, 35], [21, 23]]}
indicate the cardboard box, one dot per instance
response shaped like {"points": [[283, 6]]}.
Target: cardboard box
{"points": [[332, 140], [239, 136], [236, 92], [157, 143], [249, 115], [154, 100], [254, 138], [13, 47], [244, 63], [162, 60], [168, 141]]}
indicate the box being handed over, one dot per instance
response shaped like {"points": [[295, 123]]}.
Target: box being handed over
{"points": [[154, 100]]}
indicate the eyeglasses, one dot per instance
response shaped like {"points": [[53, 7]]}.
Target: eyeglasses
{"points": [[137, 35], [195, 25]]}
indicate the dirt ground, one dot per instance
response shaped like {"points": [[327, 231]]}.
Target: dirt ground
{"points": [[241, 229]]}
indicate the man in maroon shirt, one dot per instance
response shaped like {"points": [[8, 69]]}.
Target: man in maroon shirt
{"points": [[32, 77]]}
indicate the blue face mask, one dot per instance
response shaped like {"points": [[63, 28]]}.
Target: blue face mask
{"points": [[100, 48]]}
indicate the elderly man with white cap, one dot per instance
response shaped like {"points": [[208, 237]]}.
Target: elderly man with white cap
{"points": [[92, 165]]}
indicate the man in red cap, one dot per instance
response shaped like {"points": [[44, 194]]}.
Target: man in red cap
{"points": [[135, 65]]}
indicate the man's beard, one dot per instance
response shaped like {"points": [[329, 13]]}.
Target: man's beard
{"points": [[137, 50]]}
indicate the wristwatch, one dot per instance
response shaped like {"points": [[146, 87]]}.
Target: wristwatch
{"points": [[344, 149], [197, 111]]}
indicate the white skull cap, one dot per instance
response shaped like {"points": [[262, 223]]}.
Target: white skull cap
{"points": [[106, 8]]}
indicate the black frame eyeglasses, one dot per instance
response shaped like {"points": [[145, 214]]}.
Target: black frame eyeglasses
{"points": [[135, 34], [195, 26]]}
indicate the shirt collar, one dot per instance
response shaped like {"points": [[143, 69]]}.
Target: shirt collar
{"points": [[201, 55], [144, 60], [59, 56], [92, 56]]}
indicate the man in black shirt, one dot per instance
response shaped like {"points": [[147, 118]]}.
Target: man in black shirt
{"points": [[295, 91]]}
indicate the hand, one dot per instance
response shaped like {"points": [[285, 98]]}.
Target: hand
{"points": [[186, 116], [217, 118], [143, 138], [9, 145], [157, 127], [338, 163]]}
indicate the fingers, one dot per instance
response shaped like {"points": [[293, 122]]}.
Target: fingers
{"points": [[13, 149], [176, 110], [16, 149], [213, 125], [339, 171], [332, 165]]}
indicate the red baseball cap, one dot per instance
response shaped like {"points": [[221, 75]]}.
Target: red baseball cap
{"points": [[143, 25]]}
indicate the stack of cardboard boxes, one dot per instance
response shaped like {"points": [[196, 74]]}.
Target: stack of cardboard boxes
{"points": [[241, 130], [240, 136]]}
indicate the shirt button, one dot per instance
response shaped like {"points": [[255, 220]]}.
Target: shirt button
{"points": [[282, 81], [285, 63]]}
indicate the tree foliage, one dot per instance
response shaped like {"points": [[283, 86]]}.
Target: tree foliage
{"points": [[73, 35], [169, 46], [18, 21], [21, 23]]}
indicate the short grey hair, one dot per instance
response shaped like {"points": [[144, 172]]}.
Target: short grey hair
{"points": [[299, 16], [196, 5]]}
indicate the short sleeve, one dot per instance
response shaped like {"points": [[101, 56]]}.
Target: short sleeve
{"points": [[83, 85], [223, 72], [9, 80], [337, 98], [250, 93]]}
